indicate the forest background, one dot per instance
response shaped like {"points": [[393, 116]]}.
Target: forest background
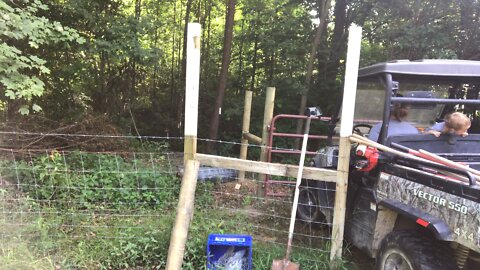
{"points": [[63, 62]]}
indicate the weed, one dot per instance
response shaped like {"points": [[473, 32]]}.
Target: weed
{"points": [[93, 179], [103, 211]]}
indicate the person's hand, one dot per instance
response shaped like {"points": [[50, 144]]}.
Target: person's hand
{"points": [[434, 133]]}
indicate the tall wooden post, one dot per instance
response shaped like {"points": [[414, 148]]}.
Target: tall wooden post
{"points": [[348, 110], [191, 90], [245, 129], [267, 120], [184, 216], [189, 182]]}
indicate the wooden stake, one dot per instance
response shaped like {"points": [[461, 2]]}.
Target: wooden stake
{"points": [[252, 138], [340, 205], [348, 109], [189, 182], [191, 89], [245, 130], [184, 216], [267, 120], [189, 147]]}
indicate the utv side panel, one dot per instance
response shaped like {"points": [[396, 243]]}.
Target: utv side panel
{"points": [[432, 223], [460, 214]]}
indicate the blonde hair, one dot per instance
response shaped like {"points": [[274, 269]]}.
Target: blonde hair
{"points": [[457, 122]]}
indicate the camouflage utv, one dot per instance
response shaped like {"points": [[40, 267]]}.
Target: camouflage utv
{"points": [[404, 213]]}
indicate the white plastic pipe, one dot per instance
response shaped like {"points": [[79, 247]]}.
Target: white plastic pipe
{"points": [[350, 85], [192, 79]]}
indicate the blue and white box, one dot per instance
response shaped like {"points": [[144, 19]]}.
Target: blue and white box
{"points": [[229, 252]]}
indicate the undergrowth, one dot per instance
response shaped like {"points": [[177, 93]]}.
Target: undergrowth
{"points": [[99, 211]]}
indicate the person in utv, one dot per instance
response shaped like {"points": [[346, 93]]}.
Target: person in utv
{"points": [[455, 123], [397, 125]]}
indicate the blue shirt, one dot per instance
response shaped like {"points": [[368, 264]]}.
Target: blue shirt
{"points": [[438, 126], [394, 128]]}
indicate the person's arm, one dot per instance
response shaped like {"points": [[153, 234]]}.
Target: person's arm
{"points": [[375, 132]]}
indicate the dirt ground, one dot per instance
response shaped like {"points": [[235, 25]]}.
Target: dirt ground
{"points": [[232, 196], [358, 259]]}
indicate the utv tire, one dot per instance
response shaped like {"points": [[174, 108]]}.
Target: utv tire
{"points": [[308, 210], [408, 250]]}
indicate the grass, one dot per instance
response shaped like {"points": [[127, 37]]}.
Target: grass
{"points": [[126, 243], [17, 255], [133, 232]]}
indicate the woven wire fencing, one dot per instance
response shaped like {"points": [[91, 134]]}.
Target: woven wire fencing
{"points": [[83, 209], [105, 209], [244, 207]]}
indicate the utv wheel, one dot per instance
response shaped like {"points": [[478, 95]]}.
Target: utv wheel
{"points": [[405, 250], [308, 205]]}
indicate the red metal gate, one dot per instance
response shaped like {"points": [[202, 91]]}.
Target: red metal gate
{"points": [[271, 150]]}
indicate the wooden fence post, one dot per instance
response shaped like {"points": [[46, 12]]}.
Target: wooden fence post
{"points": [[267, 120], [184, 216], [348, 110], [247, 111], [191, 89], [189, 182]]}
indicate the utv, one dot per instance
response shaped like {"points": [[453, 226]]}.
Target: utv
{"points": [[404, 213]]}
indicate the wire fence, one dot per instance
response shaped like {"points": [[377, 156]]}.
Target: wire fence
{"points": [[241, 206], [65, 208]]}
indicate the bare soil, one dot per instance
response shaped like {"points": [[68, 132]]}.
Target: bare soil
{"points": [[244, 199]]}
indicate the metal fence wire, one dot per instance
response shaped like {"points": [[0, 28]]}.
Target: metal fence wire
{"points": [[65, 209]]}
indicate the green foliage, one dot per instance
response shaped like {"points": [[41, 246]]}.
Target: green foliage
{"points": [[130, 66], [87, 180], [130, 246], [419, 29], [102, 238], [121, 206], [24, 33]]}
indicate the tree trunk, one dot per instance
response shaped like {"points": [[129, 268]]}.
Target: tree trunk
{"points": [[206, 37], [254, 63], [465, 49], [222, 83], [172, 70], [240, 61], [339, 35], [323, 8], [133, 72]]}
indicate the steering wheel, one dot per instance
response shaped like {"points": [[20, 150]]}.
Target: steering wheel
{"points": [[357, 129]]}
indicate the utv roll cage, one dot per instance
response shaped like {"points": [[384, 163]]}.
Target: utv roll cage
{"points": [[390, 72]]}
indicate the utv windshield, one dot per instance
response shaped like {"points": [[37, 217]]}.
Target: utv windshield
{"points": [[370, 99]]}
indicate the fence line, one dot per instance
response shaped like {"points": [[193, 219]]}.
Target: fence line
{"points": [[94, 209], [127, 137]]}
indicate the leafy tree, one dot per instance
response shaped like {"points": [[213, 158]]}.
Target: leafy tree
{"points": [[24, 33], [131, 66]]}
